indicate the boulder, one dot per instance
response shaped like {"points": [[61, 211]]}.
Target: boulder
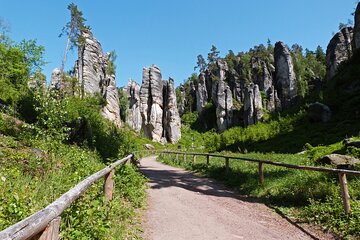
{"points": [[352, 143], [149, 146], [341, 161], [338, 50], [285, 78], [318, 112]]}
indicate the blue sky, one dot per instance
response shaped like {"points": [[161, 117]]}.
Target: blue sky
{"points": [[171, 33]]}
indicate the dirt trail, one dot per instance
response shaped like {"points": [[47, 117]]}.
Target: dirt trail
{"points": [[185, 206]]}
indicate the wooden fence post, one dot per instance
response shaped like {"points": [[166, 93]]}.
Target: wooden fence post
{"points": [[207, 159], [261, 173], [184, 157], [177, 157], [109, 186], [345, 192], [227, 165], [51, 232], [194, 159]]}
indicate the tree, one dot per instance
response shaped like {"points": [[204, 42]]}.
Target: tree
{"points": [[34, 54], [201, 63], [213, 55], [111, 67], [73, 31]]}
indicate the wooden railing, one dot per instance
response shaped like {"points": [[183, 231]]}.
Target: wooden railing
{"points": [[44, 224], [341, 172]]}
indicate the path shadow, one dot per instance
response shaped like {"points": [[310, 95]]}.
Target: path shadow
{"points": [[191, 182], [159, 178]]}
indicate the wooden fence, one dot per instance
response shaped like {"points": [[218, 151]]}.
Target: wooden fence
{"points": [[44, 224], [341, 172]]}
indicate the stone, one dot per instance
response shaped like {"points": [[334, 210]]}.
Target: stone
{"points": [[133, 116], [151, 103], [356, 39], [338, 50], [173, 122], [319, 112], [253, 108], [149, 146], [222, 98], [285, 78], [182, 100], [91, 70], [341, 161], [352, 143], [56, 79], [273, 103], [201, 93], [261, 74], [158, 107]]}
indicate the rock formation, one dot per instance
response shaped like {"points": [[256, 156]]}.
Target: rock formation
{"points": [[285, 79], [92, 71], [261, 75], [158, 108], [201, 93], [133, 116], [273, 103], [172, 120], [182, 100], [56, 81], [253, 108], [338, 50], [222, 98], [319, 112], [356, 40]]}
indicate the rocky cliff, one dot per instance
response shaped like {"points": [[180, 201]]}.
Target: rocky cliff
{"points": [[92, 71], [158, 108], [285, 79], [133, 116], [338, 50]]}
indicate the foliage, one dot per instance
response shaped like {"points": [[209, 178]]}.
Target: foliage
{"points": [[111, 66], [124, 103]]}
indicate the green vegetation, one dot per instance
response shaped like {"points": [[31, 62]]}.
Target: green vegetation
{"points": [[50, 140]]}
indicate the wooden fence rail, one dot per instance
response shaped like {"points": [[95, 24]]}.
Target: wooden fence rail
{"points": [[44, 224], [341, 172]]}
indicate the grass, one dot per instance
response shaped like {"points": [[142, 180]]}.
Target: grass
{"points": [[304, 195], [33, 173]]}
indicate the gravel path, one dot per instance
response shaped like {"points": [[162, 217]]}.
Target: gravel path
{"points": [[182, 205]]}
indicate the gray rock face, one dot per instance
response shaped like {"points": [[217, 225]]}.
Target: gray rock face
{"points": [[319, 112], [261, 75], [151, 103], [133, 116], [338, 50], [182, 100], [56, 79], [356, 40], [222, 97], [253, 108], [173, 122], [274, 103], [342, 161], [285, 79], [91, 69], [158, 108], [201, 93]]}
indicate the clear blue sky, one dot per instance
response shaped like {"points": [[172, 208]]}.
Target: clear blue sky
{"points": [[171, 33]]}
